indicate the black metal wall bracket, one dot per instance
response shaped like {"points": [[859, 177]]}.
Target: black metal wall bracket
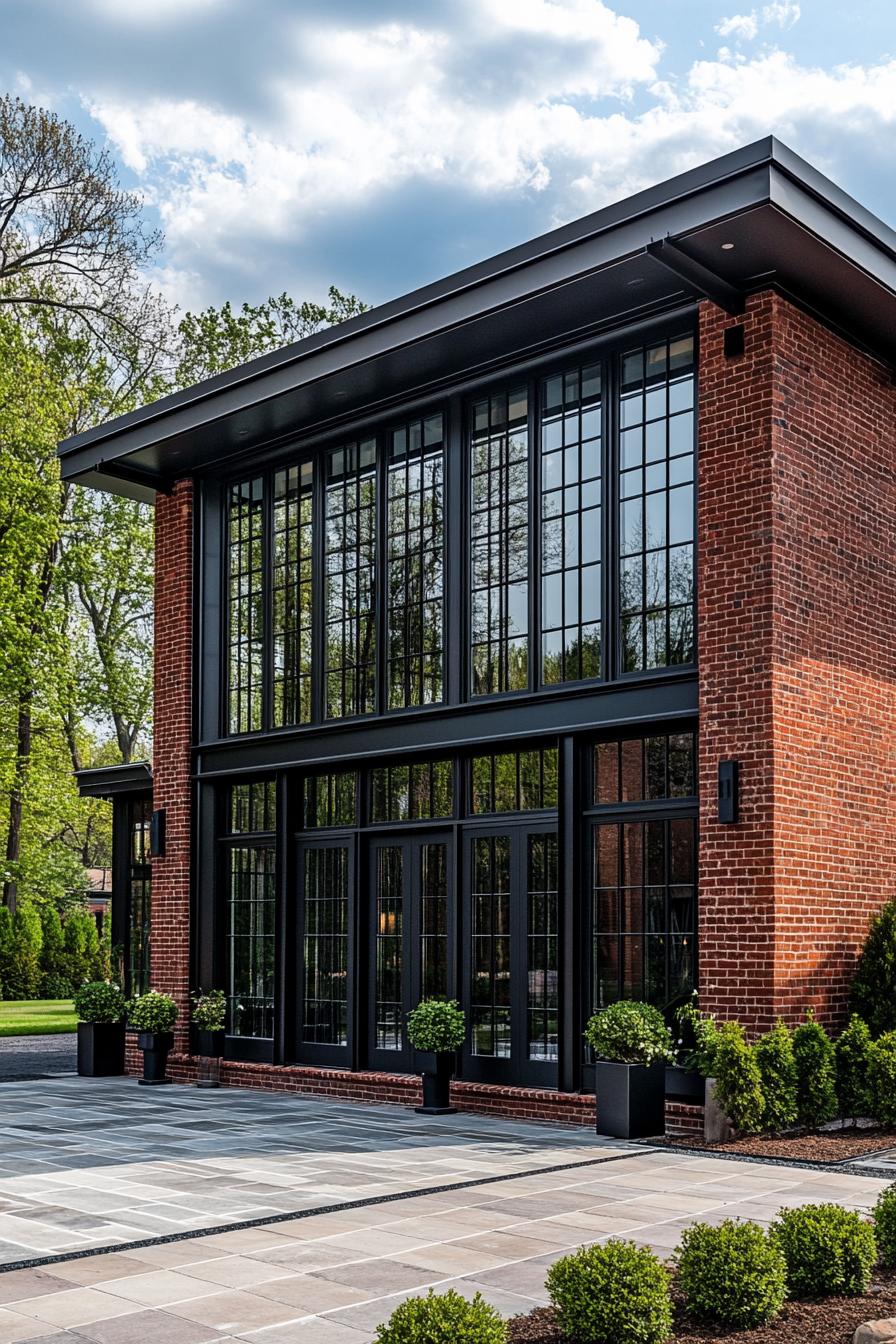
{"points": [[700, 277]]}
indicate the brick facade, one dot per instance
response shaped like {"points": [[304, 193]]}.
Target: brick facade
{"points": [[797, 654], [172, 737]]}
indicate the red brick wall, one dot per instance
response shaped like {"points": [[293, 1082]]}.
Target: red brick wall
{"points": [[172, 730], [797, 652]]}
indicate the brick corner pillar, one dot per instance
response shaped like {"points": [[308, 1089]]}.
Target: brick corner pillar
{"points": [[797, 658], [172, 737]]}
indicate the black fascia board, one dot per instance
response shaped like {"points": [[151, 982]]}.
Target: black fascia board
{"points": [[115, 781], [686, 208]]}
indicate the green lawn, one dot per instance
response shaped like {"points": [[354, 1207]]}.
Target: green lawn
{"points": [[36, 1017]]}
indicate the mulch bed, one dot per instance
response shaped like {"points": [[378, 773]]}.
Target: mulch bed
{"points": [[829, 1320], [832, 1146]]}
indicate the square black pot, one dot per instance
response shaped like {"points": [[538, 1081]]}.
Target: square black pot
{"points": [[100, 1049], [685, 1085], [630, 1099]]}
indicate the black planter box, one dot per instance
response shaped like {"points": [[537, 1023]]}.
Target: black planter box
{"points": [[685, 1085], [210, 1044], [100, 1049], [155, 1046], [437, 1069], [631, 1099]]}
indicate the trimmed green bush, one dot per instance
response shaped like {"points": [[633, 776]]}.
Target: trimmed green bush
{"points": [[53, 986], [852, 1057], [152, 1012], [443, 1318], [734, 1273], [696, 1046], [874, 982], [7, 949], [885, 1226], [778, 1075], [210, 1010], [436, 1025], [738, 1080], [53, 952], [74, 935], [882, 1078], [100, 1002], [23, 977], [628, 1032], [616, 1293], [829, 1250], [816, 1068]]}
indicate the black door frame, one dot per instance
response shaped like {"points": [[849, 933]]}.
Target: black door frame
{"points": [[411, 843], [311, 1052], [517, 1070]]}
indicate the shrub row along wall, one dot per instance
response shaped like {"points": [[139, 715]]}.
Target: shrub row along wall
{"points": [[797, 646]]}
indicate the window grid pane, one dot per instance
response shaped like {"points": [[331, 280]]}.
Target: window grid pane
{"points": [[523, 781], [434, 921], [542, 1004], [571, 530], [490, 939], [416, 561], [245, 551], [643, 911], [252, 806], [656, 505], [250, 997], [420, 791], [326, 902], [499, 550], [331, 800], [389, 946], [351, 579], [140, 899], [291, 595], [639, 769]]}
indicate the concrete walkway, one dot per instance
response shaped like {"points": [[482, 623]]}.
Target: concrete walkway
{"points": [[29, 1057], [324, 1278]]}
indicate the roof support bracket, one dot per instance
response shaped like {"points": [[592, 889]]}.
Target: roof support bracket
{"points": [[705, 281]]}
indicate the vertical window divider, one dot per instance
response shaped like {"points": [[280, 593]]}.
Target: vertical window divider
{"points": [[610, 658], [534, 634], [267, 681], [457, 546], [380, 570], [318, 587]]}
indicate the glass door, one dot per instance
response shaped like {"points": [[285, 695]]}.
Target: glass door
{"points": [[411, 934], [325, 956], [510, 954]]}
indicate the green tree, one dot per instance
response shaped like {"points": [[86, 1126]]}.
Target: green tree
{"points": [[75, 935], [53, 953], [25, 973], [7, 950], [853, 1059], [874, 982], [816, 1073]]}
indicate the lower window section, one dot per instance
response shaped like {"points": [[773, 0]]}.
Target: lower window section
{"points": [[644, 911], [490, 931], [251, 942], [325, 946], [541, 881]]}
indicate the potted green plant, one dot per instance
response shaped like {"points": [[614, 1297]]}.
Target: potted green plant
{"points": [[153, 1015], [100, 1007], [686, 1078], [632, 1046], [436, 1030], [209, 1015]]}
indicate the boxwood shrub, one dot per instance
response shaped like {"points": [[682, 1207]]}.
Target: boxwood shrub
{"points": [[882, 1078], [885, 1226], [829, 1250], [734, 1273], [778, 1077], [616, 1293], [629, 1032], [99, 1002], [816, 1069], [436, 1025], [443, 1318], [152, 1012], [738, 1080], [852, 1052]]}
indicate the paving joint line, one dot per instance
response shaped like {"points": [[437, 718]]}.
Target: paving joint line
{"points": [[37, 1262]]}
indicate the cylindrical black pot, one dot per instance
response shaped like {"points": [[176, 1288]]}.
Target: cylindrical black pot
{"points": [[210, 1048], [100, 1049], [437, 1069], [155, 1046]]}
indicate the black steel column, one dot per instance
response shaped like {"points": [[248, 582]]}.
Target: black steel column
{"points": [[571, 924]]}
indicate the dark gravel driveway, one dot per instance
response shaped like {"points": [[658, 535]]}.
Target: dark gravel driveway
{"points": [[37, 1056]]}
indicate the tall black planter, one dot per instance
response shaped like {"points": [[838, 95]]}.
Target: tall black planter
{"points": [[210, 1048], [100, 1049], [155, 1046], [437, 1070], [631, 1099]]}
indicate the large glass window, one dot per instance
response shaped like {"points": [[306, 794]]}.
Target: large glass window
{"points": [[656, 505], [514, 781], [499, 527], [389, 934], [253, 806], [571, 439], [415, 792], [331, 800], [643, 769], [490, 947], [139, 898], [416, 562], [250, 937], [350, 580], [542, 1004], [325, 939], [291, 595], [245, 606]]}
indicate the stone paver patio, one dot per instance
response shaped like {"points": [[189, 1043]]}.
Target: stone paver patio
{"points": [[327, 1278]]}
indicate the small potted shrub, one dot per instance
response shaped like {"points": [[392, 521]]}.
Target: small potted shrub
{"points": [[686, 1078], [153, 1015], [100, 1007], [209, 1013], [436, 1030], [632, 1046]]}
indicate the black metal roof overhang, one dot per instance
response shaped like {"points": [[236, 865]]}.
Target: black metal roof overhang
{"points": [[115, 781], [658, 250]]}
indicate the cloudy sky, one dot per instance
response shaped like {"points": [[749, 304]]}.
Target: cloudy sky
{"points": [[378, 144]]}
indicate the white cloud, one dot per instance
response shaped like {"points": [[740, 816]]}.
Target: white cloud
{"points": [[781, 13], [148, 13]]}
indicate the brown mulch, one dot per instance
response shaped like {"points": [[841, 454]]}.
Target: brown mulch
{"points": [[829, 1320], [833, 1146]]}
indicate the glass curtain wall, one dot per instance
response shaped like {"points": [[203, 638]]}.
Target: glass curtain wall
{"points": [[251, 903]]}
